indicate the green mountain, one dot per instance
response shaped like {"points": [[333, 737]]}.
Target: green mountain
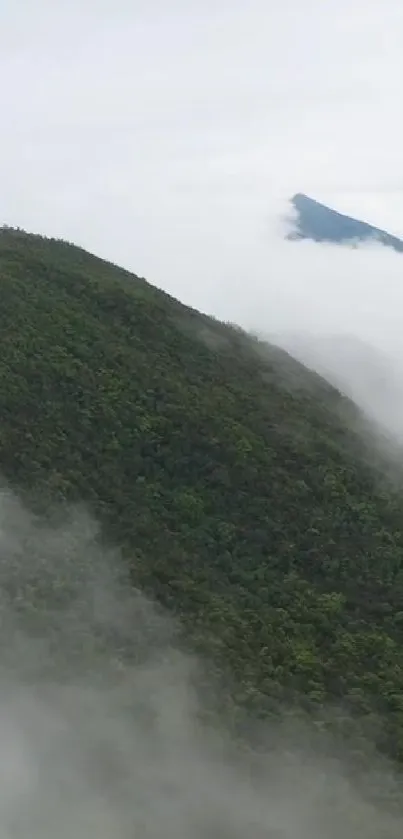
{"points": [[232, 477]]}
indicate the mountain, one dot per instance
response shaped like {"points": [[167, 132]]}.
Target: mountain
{"points": [[231, 476], [369, 376], [315, 221]]}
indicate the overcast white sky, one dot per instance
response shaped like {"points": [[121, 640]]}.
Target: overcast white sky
{"points": [[167, 136]]}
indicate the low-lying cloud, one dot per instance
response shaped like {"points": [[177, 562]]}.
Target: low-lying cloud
{"points": [[100, 721], [336, 308]]}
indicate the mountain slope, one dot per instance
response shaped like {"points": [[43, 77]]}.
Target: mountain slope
{"points": [[230, 475], [367, 375], [322, 224]]}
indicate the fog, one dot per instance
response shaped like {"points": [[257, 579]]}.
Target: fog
{"points": [[101, 721], [336, 308], [339, 309]]}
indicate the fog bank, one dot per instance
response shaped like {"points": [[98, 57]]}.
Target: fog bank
{"points": [[100, 719]]}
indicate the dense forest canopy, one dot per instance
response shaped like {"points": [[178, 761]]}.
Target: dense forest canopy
{"points": [[234, 479]]}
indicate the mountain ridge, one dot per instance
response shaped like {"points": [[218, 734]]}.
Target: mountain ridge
{"points": [[321, 223], [234, 480]]}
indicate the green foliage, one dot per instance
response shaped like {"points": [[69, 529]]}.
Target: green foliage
{"points": [[229, 474]]}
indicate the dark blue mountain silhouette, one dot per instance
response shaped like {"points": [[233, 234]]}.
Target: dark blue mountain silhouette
{"points": [[322, 224]]}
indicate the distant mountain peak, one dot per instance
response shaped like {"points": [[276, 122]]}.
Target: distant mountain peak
{"points": [[315, 221]]}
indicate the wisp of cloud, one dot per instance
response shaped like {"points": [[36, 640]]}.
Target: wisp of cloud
{"points": [[335, 308], [101, 731]]}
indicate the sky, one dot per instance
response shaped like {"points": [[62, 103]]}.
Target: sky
{"points": [[169, 137], [155, 132]]}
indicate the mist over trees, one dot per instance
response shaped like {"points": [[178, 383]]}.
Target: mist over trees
{"points": [[235, 481]]}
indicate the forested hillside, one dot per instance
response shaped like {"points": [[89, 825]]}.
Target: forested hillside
{"points": [[231, 476]]}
